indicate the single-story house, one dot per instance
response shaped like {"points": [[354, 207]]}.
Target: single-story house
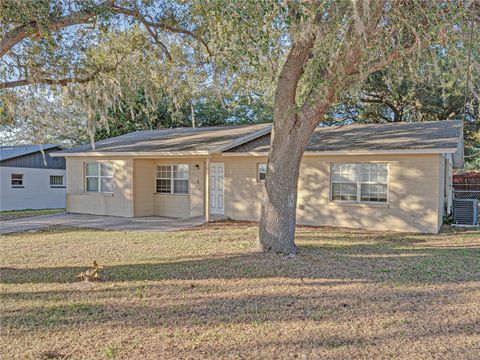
{"points": [[375, 176], [30, 179]]}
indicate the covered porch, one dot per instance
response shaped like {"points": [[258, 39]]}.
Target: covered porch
{"points": [[178, 187]]}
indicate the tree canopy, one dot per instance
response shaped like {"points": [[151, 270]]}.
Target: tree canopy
{"points": [[105, 53], [108, 51]]}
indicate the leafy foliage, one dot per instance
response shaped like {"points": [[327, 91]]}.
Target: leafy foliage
{"points": [[130, 65]]}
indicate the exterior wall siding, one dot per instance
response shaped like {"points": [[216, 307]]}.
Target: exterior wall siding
{"points": [[180, 206], [134, 190], [413, 203], [243, 192], [415, 193], [36, 160], [117, 203], [143, 187], [441, 188], [36, 192]]}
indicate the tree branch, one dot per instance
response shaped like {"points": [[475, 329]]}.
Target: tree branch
{"points": [[62, 82], [290, 75], [163, 26], [394, 55], [381, 100], [22, 32], [32, 28]]}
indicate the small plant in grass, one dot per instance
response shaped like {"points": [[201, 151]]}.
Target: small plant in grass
{"points": [[91, 275], [111, 351]]}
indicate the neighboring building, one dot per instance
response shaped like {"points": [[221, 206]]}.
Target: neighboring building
{"points": [[466, 184], [463, 180], [374, 176], [30, 179]]}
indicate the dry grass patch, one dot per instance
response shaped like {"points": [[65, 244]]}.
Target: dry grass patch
{"points": [[19, 214], [205, 293]]}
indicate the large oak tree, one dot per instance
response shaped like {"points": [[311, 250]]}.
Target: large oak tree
{"points": [[333, 47], [314, 51]]}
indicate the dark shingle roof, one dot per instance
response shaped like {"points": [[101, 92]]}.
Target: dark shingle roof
{"points": [[433, 135], [10, 152], [203, 139], [374, 137]]}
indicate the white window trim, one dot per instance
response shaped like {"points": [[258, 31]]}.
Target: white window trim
{"points": [[172, 180], [22, 185], [99, 176], [62, 185], [359, 184]]}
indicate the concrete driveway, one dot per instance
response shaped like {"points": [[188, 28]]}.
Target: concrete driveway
{"points": [[99, 222]]}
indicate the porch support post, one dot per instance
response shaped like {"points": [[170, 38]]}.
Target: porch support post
{"points": [[207, 190]]}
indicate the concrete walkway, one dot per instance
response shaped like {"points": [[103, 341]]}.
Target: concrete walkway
{"points": [[99, 222]]}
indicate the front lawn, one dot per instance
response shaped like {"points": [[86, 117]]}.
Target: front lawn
{"points": [[205, 293], [18, 214]]}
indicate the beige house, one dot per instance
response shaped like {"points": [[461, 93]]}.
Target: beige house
{"points": [[373, 176]]}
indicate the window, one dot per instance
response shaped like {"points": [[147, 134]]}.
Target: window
{"points": [[172, 179], [261, 172], [56, 181], [99, 177], [360, 182], [17, 180]]}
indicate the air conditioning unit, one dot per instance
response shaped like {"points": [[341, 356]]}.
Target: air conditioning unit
{"points": [[465, 212]]}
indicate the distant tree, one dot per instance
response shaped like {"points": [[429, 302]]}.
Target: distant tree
{"points": [[41, 117], [208, 111], [430, 94]]}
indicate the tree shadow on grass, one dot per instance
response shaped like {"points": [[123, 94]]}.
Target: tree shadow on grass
{"points": [[123, 307], [371, 262]]}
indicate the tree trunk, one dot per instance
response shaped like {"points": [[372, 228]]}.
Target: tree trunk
{"points": [[192, 114], [289, 138], [278, 212]]}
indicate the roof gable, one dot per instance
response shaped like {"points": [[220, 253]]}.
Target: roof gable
{"points": [[10, 152], [199, 141]]}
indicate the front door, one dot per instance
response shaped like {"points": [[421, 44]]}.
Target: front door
{"points": [[217, 171]]}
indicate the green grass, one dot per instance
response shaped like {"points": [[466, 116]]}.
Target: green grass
{"points": [[18, 214], [206, 293]]}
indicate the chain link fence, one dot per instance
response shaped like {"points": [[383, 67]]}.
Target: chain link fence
{"points": [[466, 194], [466, 191]]}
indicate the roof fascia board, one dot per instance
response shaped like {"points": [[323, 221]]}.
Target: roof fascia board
{"points": [[242, 140], [372, 152], [131, 154], [251, 153]]}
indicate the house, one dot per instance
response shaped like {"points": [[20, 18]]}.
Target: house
{"points": [[375, 176], [30, 179]]}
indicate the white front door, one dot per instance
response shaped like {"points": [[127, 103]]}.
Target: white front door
{"points": [[217, 171]]}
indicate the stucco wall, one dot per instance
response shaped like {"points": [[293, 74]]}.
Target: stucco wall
{"points": [[413, 203], [117, 203], [415, 195], [147, 202], [143, 187], [442, 167], [36, 193]]}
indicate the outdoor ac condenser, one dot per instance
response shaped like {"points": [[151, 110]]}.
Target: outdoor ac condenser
{"points": [[465, 212]]}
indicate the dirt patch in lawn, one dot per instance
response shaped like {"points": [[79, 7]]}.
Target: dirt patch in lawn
{"points": [[206, 293]]}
